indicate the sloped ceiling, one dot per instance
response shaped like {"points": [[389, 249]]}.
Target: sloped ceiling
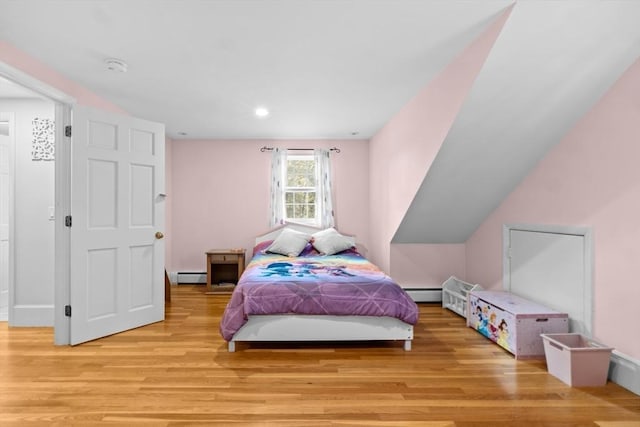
{"points": [[548, 67]]}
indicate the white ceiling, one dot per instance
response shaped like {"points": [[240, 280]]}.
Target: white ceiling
{"points": [[325, 69], [341, 69]]}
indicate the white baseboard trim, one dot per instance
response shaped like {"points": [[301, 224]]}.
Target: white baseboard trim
{"points": [[425, 294], [625, 371], [32, 316], [189, 277]]}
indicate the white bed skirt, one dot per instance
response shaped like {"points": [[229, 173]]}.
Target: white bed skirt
{"points": [[323, 328]]}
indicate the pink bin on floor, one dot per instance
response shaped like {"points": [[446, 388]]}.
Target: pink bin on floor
{"points": [[576, 360]]}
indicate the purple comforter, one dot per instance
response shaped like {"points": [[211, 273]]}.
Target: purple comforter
{"points": [[342, 284]]}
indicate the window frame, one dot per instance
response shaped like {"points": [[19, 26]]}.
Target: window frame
{"points": [[315, 221]]}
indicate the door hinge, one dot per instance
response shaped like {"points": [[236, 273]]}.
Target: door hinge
{"points": [[67, 131], [67, 221], [67, 310]]}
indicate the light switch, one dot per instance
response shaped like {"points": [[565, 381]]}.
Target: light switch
{"points": [[52, 213]]}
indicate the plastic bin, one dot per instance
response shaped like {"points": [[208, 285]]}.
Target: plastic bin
{"points": [[576, 360]]}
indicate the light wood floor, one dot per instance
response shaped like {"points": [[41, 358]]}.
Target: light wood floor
{"points": [[179, 372]]}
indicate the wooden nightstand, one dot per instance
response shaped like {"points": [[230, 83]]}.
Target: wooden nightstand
{"points": [[224, 265]]}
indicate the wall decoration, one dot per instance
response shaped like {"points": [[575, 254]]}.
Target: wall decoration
{"points": [[43, 144]]}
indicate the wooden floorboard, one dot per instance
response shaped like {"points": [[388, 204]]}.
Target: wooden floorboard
{"points": [[178, 372]]}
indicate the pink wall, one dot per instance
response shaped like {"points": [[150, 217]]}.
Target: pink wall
{"points": [[426, 266], [220, 194], [591, 178], [402, 152], [31, 66]]}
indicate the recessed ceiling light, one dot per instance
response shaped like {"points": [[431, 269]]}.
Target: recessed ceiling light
{"points": [[261, 112], [116, 65]]}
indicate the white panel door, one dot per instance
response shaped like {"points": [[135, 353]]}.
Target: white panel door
{"points": [[549, 268], [5, 199], [117, 206]]}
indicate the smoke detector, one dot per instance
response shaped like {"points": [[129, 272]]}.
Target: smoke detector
{"points": [[116, 65]]}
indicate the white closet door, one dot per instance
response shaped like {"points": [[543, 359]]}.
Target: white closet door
{"points": [[549, 268]]}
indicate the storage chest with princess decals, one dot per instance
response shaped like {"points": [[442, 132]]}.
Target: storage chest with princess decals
{"points": [[513, 322]]}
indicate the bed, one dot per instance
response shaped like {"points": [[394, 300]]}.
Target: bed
{"points": [[315, 297]]}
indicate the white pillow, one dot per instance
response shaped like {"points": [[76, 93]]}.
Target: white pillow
{"points": [[289, 242], [330, 242]]}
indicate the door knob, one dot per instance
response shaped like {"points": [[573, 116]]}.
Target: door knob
{"points": [[159, 235]]}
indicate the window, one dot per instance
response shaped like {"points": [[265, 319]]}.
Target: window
{"points": [[301, 188]]}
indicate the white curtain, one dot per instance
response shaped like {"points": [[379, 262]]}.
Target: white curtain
{"points": [[278, 175], [324, 203]]}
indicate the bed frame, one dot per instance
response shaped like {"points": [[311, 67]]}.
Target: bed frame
{"points": [[293, 327]]}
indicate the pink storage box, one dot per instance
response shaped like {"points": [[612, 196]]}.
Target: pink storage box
{"points": [[576, 360]]}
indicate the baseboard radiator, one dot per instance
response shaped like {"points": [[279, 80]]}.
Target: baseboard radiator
{"points": [[190, 277], [425, 294]]}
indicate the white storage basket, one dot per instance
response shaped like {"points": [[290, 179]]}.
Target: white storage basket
{"points": [[454, 295]]}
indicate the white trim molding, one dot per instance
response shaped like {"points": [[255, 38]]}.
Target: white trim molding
{"points": [[625, 371], [31, 315], [7, 314]]}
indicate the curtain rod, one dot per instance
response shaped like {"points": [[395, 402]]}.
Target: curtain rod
{"points": [[265, 148]]}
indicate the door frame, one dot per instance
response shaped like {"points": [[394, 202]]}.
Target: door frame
{"points": [[585, 232], [63, 107], [11, 217]]}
